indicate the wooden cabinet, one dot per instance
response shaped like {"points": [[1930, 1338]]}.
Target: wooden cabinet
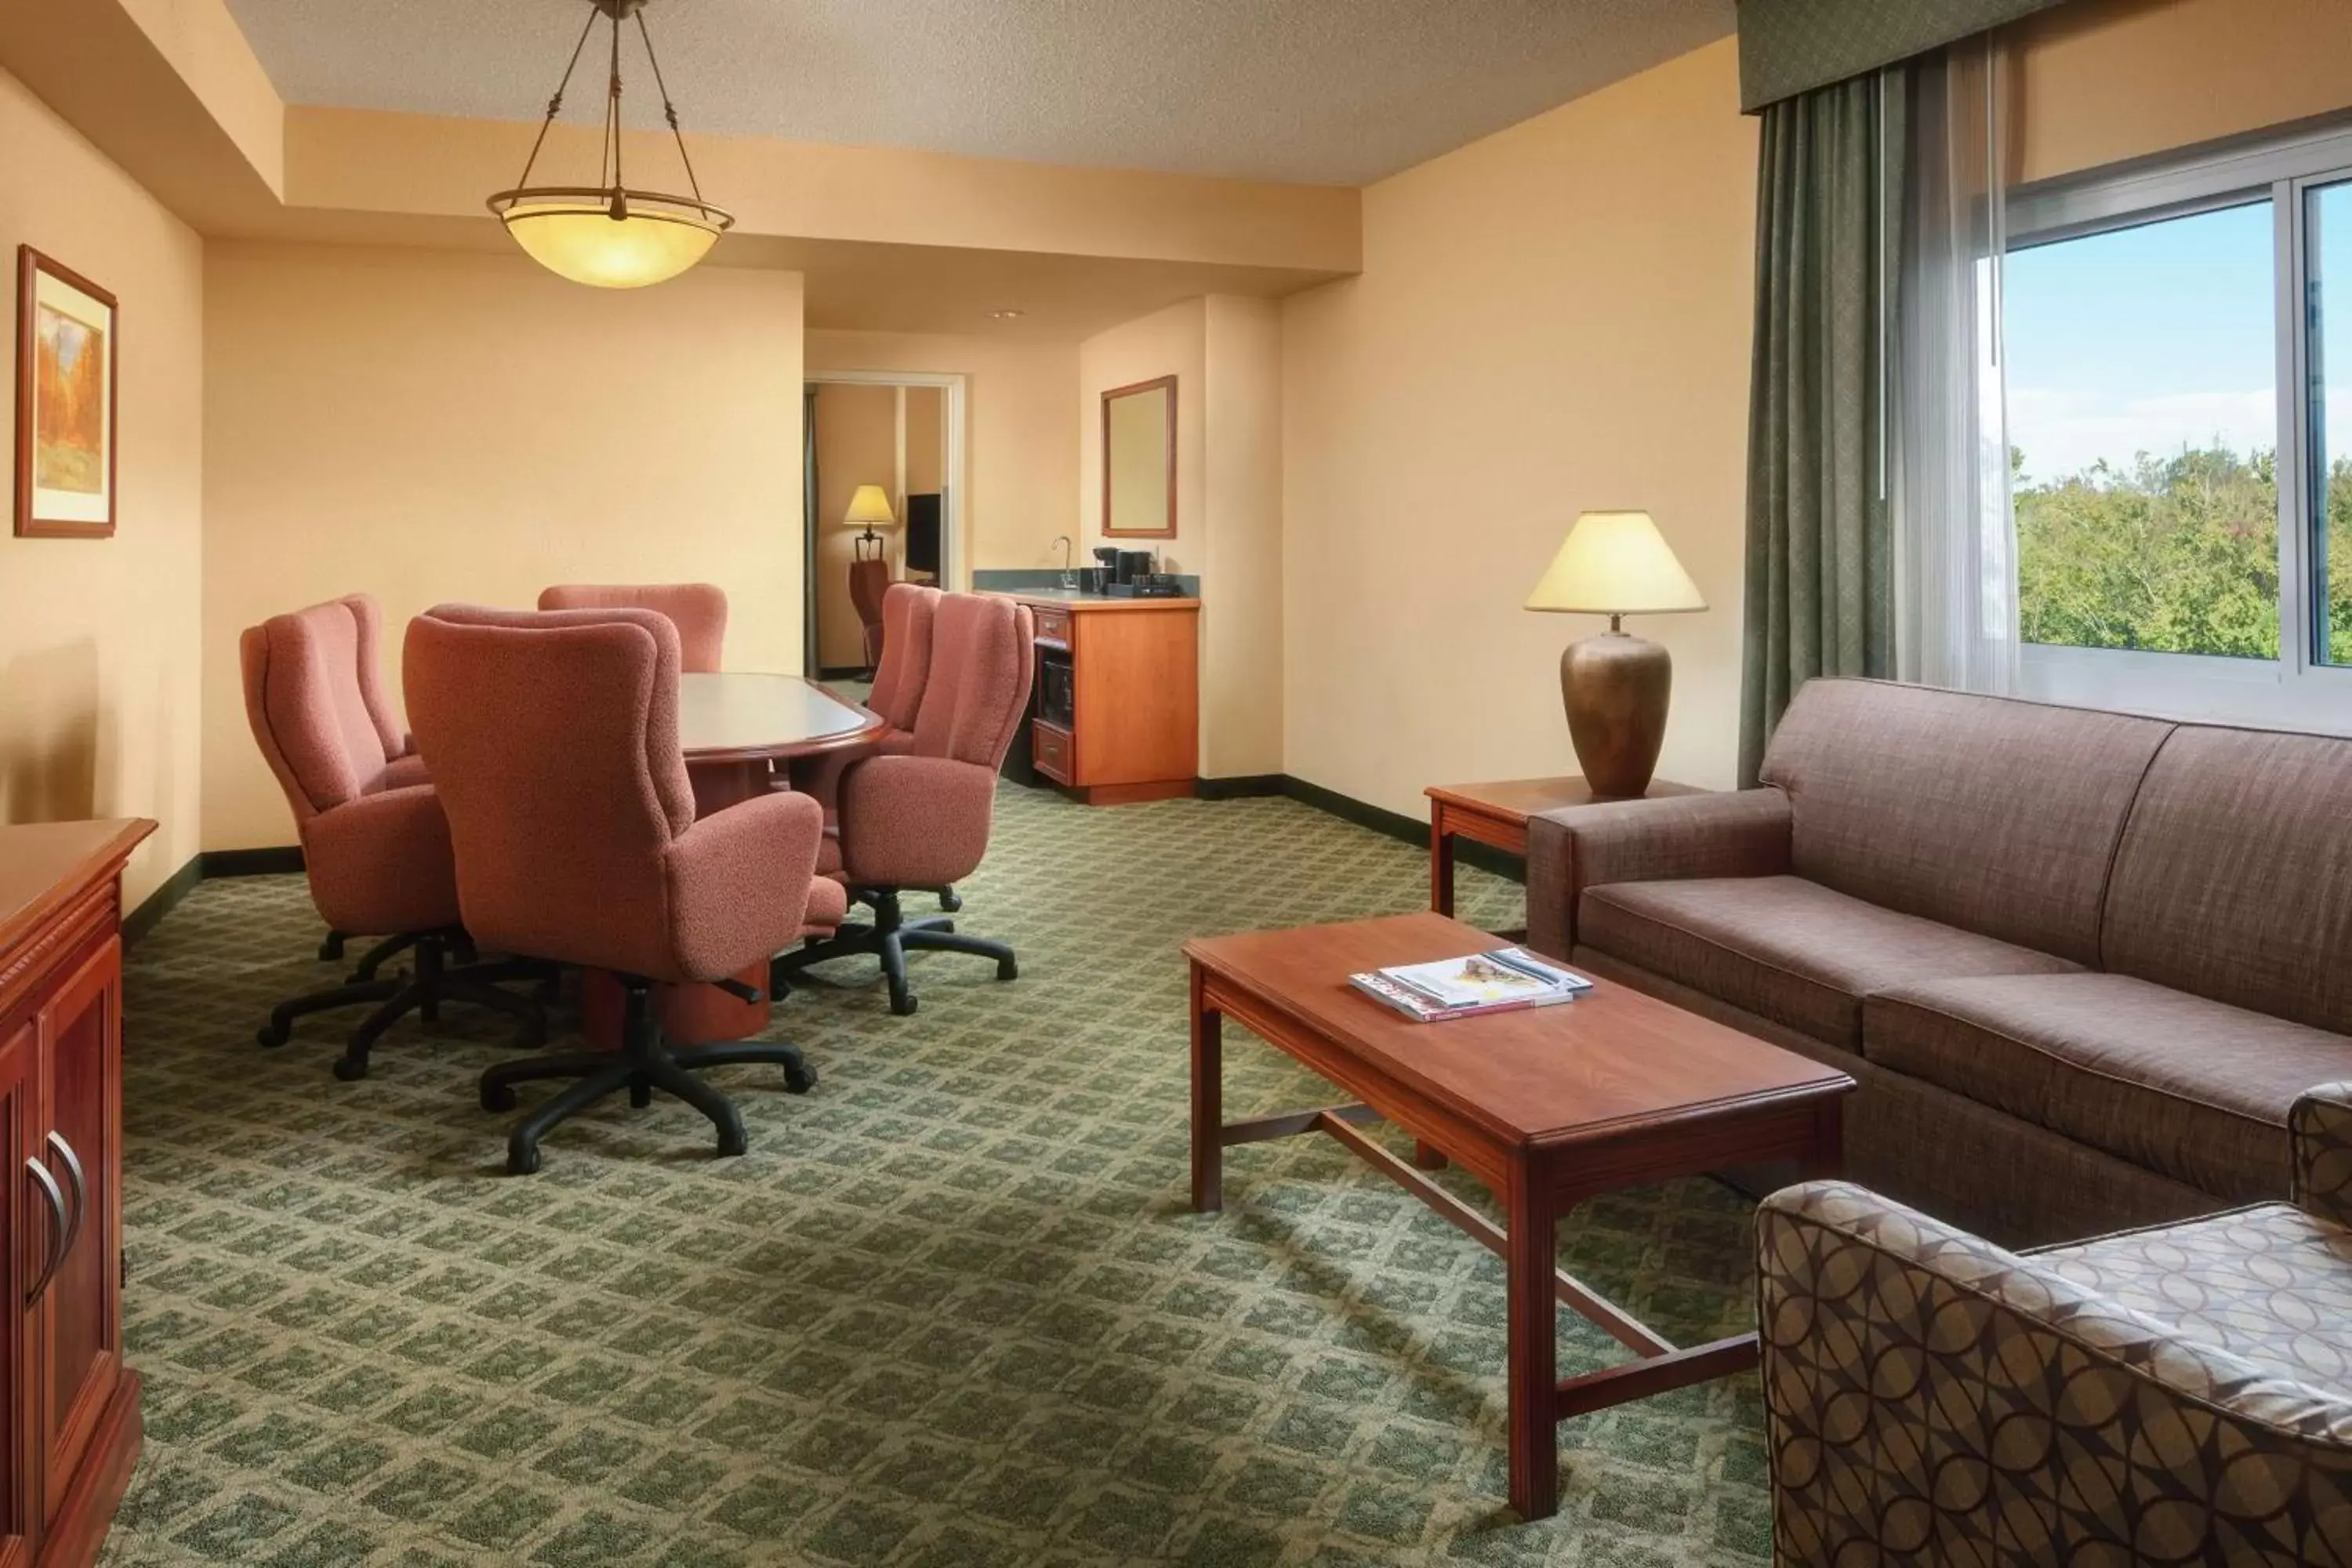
{"points": [[69, 1426], [1131, 671]]}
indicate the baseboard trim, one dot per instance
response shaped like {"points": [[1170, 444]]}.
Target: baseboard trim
{"points": [[1247, 786], [159, 903], [1363, 814], [277, 860]]}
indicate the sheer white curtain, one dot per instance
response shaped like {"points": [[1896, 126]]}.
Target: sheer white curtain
{"points": [[1955, 538]]}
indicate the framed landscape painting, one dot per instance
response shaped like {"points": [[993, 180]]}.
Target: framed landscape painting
{"points": [[66, 343]]}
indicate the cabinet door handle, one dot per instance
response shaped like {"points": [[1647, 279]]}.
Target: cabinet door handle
{"points": [[57, 1202], [64, 1150]]}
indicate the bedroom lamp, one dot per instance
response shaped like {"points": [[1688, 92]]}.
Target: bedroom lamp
{"points": [[609, 235], [1614, 686], [868, 508]]}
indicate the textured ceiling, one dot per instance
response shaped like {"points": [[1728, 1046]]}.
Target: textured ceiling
{"points": [[1340, 91]]}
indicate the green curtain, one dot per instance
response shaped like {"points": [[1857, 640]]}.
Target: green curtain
{"points": [[1820, 542]]}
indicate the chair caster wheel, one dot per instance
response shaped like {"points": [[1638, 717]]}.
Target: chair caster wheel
{"points": [[351, 1069], [522, 1162], [950, 900], [799, 1077], [732, 1144], [273, 1034], [498, 1099], [1006, 969], [902, 1005], [330, 947], [640, 1095]]}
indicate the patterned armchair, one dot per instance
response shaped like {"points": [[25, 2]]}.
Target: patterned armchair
{"points": [[2176, 1395]]}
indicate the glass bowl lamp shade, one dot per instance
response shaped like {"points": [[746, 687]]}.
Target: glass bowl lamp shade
{"points": [[1614, 686], [608, 239], [606, 235]]}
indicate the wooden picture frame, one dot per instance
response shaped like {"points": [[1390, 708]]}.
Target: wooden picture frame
{"points": [[1165, 386], [69, 362]]}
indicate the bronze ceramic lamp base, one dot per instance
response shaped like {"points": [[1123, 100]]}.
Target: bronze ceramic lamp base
{"points": [[1614, 686]]}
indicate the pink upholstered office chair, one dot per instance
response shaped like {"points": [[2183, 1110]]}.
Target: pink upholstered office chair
{"points": [[698, 611], [402, 764], [920, 817], [897, 694], [553, 742], [374, 845]]}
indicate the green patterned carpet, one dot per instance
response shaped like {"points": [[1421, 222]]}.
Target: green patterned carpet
{"points": [[952, 1309]]}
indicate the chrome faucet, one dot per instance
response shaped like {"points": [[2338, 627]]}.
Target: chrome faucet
{"points": [[1069, 567]]}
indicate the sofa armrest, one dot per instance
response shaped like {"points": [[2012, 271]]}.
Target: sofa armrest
{"points": [[914, 821], [2320, 1124], [1741, 834], [1900, 1354], [739, 883]]}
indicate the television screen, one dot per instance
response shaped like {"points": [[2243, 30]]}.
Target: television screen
{"points": [[923, 534]]}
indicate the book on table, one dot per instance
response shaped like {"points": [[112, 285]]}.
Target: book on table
{"points": [[1499, 981]]}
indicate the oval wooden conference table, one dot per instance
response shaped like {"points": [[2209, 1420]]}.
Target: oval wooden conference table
{"points": [[734, 726]]}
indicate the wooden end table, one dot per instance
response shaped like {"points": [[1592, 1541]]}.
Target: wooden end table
{"points": [[1497, 813], [1547, 1107]]}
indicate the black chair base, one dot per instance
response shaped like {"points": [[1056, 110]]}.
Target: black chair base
{"points": [[645, 1063], [890, 938], [422, 993]]}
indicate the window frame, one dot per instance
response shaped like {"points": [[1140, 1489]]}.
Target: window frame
{"points": [[2297, 688]]}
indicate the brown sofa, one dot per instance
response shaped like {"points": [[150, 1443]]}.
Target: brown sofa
{"points": [[2081, 963]]}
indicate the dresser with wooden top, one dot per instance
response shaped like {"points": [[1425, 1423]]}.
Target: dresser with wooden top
{"points": [[1119, 695], [69, 1427]]}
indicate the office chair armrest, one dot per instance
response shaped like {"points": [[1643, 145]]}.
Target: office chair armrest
{"points": [[914, 821], [381, 864], [739, 883]]}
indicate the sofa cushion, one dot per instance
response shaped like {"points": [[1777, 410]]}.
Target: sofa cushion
{"points": [[2234, 879], [1786, 949], [1995, 816], [2173, 1083], [2272, 1284]]}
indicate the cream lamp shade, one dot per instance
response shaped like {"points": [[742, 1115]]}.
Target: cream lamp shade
{"points": [[1615, 563], [868, 509]]}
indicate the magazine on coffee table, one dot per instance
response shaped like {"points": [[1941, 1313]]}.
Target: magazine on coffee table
{"points": [[1499, 980]]}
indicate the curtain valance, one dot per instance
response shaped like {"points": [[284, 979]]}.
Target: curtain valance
{"points": [[1788, 46]]}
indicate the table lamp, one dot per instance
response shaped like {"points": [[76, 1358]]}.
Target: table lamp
{"points": [[1614, 686], [867, 508]]}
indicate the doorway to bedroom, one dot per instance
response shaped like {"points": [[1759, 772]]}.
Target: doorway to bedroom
{"points": [[883, 455]]}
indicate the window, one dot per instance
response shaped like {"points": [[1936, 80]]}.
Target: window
{"points": [[2143, 429], [2327, 230], [2178, 366]]}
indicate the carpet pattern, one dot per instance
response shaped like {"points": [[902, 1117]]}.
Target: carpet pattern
{"points": [[952, 1309]]}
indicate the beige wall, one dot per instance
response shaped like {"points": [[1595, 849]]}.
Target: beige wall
{"points": [[2101, 81], [430, 426], [857, 444], [1225, 353], [927, 432], [1241, 619], [99, 643], [1173, 342], [1553, 318], [1021, 451]]}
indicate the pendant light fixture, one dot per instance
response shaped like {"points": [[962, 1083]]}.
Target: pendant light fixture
{"points": [[607, 234]]}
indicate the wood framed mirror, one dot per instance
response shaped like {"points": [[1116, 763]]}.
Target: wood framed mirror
{"points": [[1139, 461]]}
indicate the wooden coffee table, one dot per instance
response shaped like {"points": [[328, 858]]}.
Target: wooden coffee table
{"points": [[1548, 1107]]}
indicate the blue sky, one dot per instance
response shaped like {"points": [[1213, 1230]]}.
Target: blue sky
{"points": [[2151, 338], [2146, 339]]}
